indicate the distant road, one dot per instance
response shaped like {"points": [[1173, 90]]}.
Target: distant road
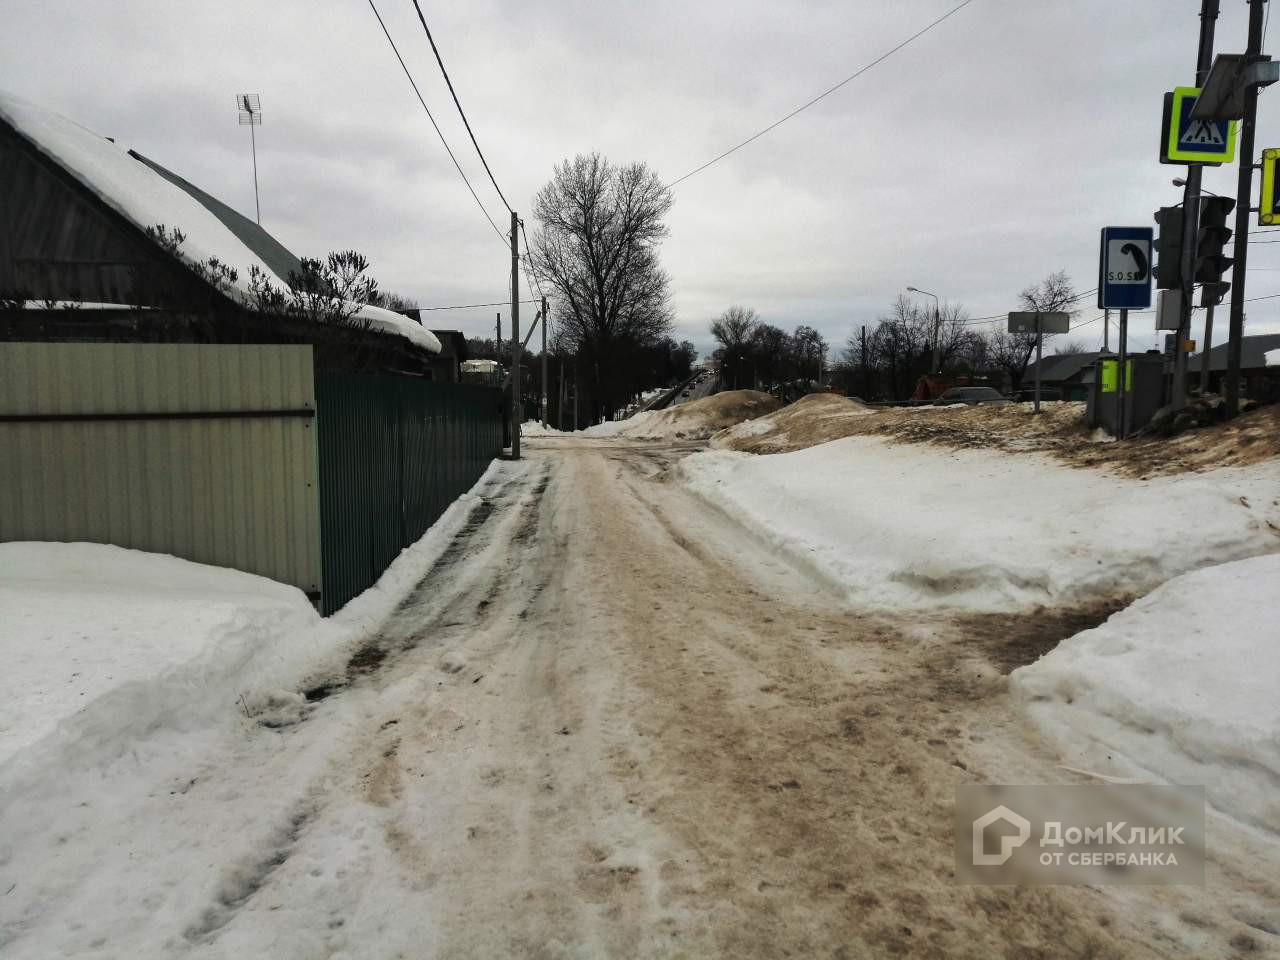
{"points": [[698, 389]]}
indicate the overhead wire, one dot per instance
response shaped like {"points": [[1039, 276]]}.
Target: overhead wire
{"points": [[826, 93], [435, 126], [458, 104]]}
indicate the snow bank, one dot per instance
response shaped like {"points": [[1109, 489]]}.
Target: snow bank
{"points": [[101, 646], [534, 428], [1184, 685], [82, 619], [695, 420], [147, 199], [915, 526]]}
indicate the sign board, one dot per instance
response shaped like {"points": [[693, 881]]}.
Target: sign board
{"points": [[1124, 268], [1186, 141], [1268, 214], [1025, 322], [1169, 310]]}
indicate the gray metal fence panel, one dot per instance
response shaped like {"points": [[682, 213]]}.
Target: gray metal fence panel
{"points": [[204, 451]]}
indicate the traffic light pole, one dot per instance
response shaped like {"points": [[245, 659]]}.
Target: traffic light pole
{"points": [[1191, 217], [1244, 195]]}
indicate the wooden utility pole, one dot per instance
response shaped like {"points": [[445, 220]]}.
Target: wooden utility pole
{"points": [[517, 407], [497, 338], [1244, 200], [543, 399]]}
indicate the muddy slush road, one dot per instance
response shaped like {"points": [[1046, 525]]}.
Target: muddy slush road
{"points": [[648, 735]]}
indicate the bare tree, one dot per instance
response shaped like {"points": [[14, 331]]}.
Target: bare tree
{"points": [[600, 226], [735, 328]]}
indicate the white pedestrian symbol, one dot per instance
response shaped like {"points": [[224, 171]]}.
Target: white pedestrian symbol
{"points": [[1203, 133]]}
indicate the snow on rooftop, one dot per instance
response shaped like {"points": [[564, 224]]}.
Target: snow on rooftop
{"points": [[145, 198], [1272, 358]]}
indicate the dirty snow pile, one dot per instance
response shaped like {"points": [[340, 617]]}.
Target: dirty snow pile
{"points": [[1183, 686], [695, 420], [903, 526]]}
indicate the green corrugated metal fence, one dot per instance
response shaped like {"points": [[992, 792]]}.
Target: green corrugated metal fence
{"points": [[394, 452]]}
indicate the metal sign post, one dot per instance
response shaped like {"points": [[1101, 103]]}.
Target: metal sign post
{"points": [[1039, 323], [1122, 378]]}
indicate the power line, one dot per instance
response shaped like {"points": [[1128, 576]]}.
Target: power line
{"points": [[468, 306], [456, 103], [456, 165], [777, 123]]}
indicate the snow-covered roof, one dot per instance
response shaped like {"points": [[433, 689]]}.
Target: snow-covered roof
{"points": [[145, 198]]}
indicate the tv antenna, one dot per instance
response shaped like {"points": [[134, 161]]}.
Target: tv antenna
{"points": [[251, 116]]}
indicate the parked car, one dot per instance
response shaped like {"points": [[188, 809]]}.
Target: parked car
{"points": [[1027, 394], [971, 396]]}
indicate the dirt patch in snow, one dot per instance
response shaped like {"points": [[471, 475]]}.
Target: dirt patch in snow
{"points": [[1060, 430]]}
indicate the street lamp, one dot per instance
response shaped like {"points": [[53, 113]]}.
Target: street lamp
{"points": [[937, 322], [1179, 182]]}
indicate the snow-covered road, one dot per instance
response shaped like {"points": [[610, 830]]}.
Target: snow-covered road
{"points": [[611, 722]]}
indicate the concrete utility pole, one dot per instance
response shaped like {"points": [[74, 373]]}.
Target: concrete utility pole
{"points": [[517, 407], [1106, 331], [1191, 216], [543, 400], [1244, 195]]}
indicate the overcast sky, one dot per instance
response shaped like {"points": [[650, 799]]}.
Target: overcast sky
{"points": [[978, 159]]}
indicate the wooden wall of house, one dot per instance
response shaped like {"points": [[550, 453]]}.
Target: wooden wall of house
{"points": [[56, 240]]}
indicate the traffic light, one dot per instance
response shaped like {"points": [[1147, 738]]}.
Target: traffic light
{"points": [[1169, 248], [1212, 237]]}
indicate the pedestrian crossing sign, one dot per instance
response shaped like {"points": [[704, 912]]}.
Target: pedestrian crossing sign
{"points": [[1186, 141]]}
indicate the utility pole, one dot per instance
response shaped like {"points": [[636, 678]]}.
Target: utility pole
{"points": [[1106, 331], [517, 407], [497, 337], [576, 378], [543, 399], [1244, 196], [1191, 216]]}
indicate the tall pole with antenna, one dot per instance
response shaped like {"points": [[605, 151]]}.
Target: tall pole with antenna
{"points": [[250, 106]]}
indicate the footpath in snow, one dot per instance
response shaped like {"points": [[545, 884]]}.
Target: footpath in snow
{"points": [[916, 526]]}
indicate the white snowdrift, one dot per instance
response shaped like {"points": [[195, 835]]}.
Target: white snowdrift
{"points": [[1184, 685], [148, 200], [909, 526], [101, 646], [81, 619]]}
